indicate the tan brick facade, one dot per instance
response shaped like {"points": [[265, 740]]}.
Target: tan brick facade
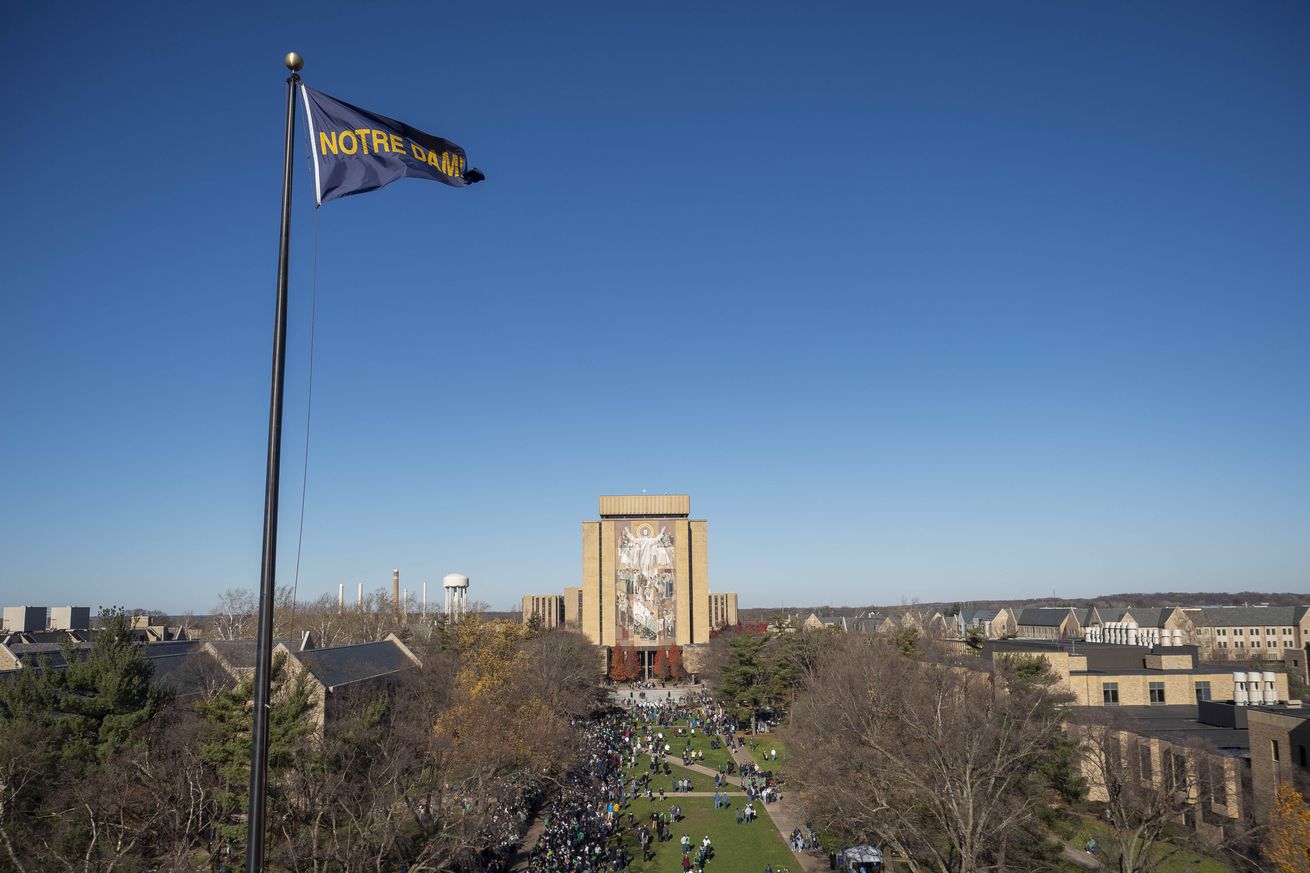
{"points": [[547, 608], [678, 545]]}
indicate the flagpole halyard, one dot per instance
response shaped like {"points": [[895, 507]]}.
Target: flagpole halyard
{"points": [[268, 564]]}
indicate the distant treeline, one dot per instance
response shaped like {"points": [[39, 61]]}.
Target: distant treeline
{"points": [[1158, 598]]}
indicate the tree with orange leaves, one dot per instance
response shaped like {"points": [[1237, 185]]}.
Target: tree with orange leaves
{"points": [[661, 665], [1288, 845], [676, 669], [634, 662]]}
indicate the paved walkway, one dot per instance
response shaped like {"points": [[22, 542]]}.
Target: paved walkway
{"points": [[523, 854], [786, 814]]}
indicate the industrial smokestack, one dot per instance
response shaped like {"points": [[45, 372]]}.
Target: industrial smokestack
{"points": [[395, 594], [361, 595], [341, 596]]}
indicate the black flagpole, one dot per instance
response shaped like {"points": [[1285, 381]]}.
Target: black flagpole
{"points": [[268, 567]]}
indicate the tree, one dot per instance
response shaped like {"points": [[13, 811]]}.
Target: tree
{"points": [[69, 734], [975, 638], [743, 682], [1140, 803], [533, 624], [225, 747], [1288, 844], [619, 664], [905, 639], [661, 666], [632, 659], [234, 614], [676, 668], [931, 759]]}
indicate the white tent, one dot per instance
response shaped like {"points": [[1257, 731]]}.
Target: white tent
{"points": [[867, 858]]}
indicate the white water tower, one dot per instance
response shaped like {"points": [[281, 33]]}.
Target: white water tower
{"points": [[457, 592]]}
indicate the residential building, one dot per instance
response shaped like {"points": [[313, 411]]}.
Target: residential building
{"points": [[1140, 625], [573, 607], [1250, 632], [548, 609], [1100, 674], [344, 676], [1051, 623], [994, 623], [723, 610]]}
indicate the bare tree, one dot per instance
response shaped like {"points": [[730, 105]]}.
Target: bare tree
{"points": [[932, 759], [1146, 787], [234, 614]]}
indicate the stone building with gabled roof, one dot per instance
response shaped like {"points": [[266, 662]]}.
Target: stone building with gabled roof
{"points": [[994, 623], [344, 675], [1250, 632], [1050, 623]]}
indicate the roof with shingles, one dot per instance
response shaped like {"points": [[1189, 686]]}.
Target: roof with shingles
{"points": [[241, 654], [1044, 616], [343, 665], [1251, 616]]}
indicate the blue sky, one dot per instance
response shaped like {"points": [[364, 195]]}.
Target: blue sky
{"points": [[943, 301]]}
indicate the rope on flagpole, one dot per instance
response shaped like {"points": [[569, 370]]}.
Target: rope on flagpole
{"points": [[309, 414]]}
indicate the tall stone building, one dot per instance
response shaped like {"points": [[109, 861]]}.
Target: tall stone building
{"points": [[546, 608], [645, 581], [646, 577]]}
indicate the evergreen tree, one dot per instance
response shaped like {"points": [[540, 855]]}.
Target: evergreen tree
{"points": [[226, 748], [91, 708], [746, 685]]}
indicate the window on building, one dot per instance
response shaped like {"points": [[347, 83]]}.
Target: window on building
{"points": [[1223, 644], [1255, 644], [1237, 632], [1202, 691], [1255, 631], [1222, 632], [1273, 744], [1239, 645], [1269, 632], [1157, 693], [1110, 693]]}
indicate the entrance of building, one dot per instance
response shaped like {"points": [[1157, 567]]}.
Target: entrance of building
{"points": [[647, 659]]}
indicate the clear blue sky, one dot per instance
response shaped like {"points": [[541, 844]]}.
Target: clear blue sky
{"points": [[937, 301]]}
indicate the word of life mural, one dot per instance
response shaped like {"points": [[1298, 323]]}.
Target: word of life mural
{"points": [[646, 579]]}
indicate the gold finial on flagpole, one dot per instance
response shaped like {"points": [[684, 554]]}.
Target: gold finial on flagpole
{"points": [[294, 62]]}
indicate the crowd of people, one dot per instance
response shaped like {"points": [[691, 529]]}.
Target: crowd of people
{"points": [[589, 825]]}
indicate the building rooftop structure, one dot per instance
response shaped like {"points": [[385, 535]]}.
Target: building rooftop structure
{"points": [[344, 665], [1181, 723], [1239, 616]]}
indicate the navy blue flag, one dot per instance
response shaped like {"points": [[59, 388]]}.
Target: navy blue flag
{"points": [[356, 150]]}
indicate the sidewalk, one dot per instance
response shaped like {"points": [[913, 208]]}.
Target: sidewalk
{"points": [[787, 816]]}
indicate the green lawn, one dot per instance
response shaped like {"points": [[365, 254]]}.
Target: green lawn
{"points": [[699, 781], [764, 743], [714, 758], [1180, 860], [737, 848]]}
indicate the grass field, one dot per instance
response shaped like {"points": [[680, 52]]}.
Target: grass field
{"points": [[1179, 860], [764, 743], [737, 848], [714, 758], [699, 781]]}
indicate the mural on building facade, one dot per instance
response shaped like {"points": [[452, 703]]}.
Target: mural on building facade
{"points": [[645, 577]]}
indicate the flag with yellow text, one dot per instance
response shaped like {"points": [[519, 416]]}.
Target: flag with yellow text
{"points": [[356, 150]]}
